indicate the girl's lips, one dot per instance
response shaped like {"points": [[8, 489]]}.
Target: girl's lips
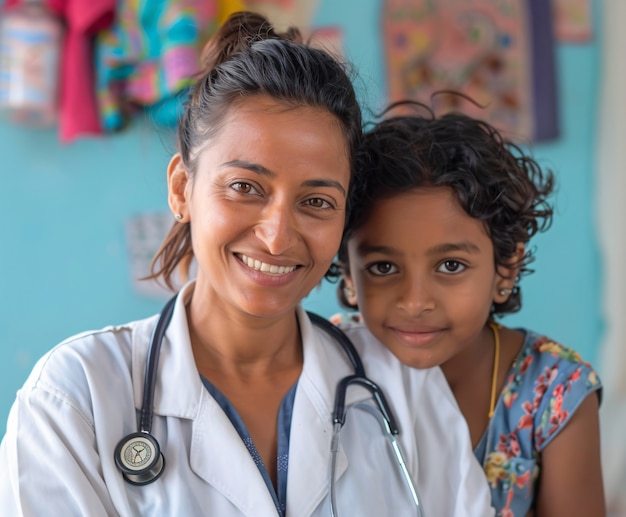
{"points": [[419, 338]]}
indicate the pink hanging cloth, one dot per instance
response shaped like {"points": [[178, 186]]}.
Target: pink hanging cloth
{"points": [[78, 114]]}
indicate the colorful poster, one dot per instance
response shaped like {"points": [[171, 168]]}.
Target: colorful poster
{"points": [[573, 20], [328, 38], [285, 13], [300, 13], [480, 48]]}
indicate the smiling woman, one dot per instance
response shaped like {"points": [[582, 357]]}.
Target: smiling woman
{"points": [[280, 203], [241, 396]]}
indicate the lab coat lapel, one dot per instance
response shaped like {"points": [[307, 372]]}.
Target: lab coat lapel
{"points": [[179, 392], [311, 427], [234, 474]]}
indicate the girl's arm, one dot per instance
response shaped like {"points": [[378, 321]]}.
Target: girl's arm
{"points": [[571, 475]]}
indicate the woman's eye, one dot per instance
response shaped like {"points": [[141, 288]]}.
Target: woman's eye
{"points": [[318, 202], [243, 187], [451, 266], [382, 269]]}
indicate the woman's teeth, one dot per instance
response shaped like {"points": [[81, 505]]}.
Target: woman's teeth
{"points": [[266, 268]]}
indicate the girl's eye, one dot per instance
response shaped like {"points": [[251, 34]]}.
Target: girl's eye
{"points": [[318, 202], [451, 266], [243, 187], [382, 269]]}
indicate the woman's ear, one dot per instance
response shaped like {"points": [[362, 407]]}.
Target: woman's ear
{"points": [[507, 274], [177, 183]]}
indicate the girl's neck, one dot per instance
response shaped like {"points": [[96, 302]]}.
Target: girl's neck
{"points": [[470, 376], [474, 361]]}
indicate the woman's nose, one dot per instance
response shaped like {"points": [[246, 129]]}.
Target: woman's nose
{"points": [[277, 228]]}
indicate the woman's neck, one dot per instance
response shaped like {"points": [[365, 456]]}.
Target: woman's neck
{"points": [[242, 345]]}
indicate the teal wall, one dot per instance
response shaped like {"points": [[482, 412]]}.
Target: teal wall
{"points": [[63, 254]]}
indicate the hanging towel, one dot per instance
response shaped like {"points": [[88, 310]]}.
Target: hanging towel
{"points": [[78, 114]]}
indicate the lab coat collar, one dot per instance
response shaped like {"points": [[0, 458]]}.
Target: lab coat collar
{"points": [[180, 393], [178, 388]]}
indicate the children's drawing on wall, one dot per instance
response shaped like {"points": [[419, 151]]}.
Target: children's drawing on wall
{"points": [[144, 234], [481, 48], [300, 13], [285, 13], [573, 20]]}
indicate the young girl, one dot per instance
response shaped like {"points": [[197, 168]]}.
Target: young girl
{"points": [[433, 253]]}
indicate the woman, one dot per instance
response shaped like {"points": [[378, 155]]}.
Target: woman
{"points": [[245, 383]]}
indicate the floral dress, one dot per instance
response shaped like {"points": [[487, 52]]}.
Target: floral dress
{"points": [[544, 387]]}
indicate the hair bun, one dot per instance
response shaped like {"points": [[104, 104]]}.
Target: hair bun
{"points": [[237, 34]]}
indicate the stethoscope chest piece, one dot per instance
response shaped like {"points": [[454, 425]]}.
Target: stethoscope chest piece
{"points": [[139, 458]]}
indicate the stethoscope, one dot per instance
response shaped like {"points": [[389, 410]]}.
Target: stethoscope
{"points": [[141, 461]]}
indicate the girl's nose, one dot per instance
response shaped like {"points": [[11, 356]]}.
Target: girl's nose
{"points": [[416, 296]]}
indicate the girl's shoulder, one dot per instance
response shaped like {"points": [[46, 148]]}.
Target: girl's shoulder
{"points": [[542, 356], [547, 382]]}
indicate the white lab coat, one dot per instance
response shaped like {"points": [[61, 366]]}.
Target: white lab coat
{"points": [[83, 397]]}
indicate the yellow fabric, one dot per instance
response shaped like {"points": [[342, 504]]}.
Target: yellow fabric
{"points": [[227, 7]]}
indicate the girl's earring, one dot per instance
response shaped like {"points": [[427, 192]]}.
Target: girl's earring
{"points": [[349, 292], [505, 292], [178, 217], [347, 295]]}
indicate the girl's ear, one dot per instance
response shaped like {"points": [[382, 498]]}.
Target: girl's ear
{"points": [[507, 274], [347, 292], [177, 182]]}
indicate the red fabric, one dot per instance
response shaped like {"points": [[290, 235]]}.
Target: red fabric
{"points": [[78, 107]]}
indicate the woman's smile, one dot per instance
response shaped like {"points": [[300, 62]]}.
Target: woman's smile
{"points": [[264, 267]]}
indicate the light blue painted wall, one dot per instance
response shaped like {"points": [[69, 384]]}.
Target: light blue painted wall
{"points": [[63, 255]]}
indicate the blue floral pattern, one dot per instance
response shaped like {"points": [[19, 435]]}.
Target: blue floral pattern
{"points": [[545, 386]]}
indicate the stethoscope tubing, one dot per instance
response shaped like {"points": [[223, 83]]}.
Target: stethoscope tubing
{"points": [[154, 350], [341, 338], [397, 452], [384, 414]]}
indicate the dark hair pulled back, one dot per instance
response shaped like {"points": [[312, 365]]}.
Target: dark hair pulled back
{"points": [[248, 57], [493, 180]]}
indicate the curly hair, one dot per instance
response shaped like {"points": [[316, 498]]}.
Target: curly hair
{"points": [[492, 178]]}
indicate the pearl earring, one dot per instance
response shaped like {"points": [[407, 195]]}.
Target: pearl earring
{"points": [[178, 216], [348, 292], [505, 292]]}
